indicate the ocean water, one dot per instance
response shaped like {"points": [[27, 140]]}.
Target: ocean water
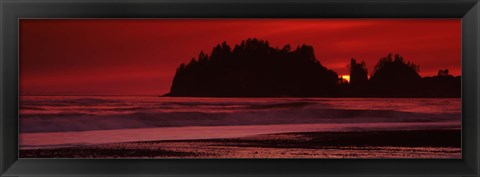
{"points": [[52, 121]]}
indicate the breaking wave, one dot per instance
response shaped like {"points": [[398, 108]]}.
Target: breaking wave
{"points": [[58, 114]]}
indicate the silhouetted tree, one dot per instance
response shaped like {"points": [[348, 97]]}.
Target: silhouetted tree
{"points": [[388, 60], [254, 69], [443, 73], [395, 77], [358, 78]]}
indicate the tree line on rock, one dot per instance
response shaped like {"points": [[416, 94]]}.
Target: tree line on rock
{"points": [[395, 77], [255, 69]]}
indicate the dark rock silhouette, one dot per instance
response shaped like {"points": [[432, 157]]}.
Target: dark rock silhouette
{"points": [[395, 77], [254, 69], [358, 78], [443, 85]]}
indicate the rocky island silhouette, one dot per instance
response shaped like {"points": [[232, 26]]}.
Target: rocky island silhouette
{"points": [[255, 69]]}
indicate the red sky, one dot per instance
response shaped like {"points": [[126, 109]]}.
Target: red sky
{"points": [[139, 57]]}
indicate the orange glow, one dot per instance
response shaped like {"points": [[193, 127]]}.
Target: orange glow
{"points": [[346, 77]]}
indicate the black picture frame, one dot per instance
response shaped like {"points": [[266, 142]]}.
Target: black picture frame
{"points": [[13, 10]]}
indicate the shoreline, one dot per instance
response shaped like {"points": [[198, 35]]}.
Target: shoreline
{"points": [[83, 138], [435, 143]]}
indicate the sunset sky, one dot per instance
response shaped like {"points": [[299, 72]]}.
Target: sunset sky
{"points": [[139, 57]]}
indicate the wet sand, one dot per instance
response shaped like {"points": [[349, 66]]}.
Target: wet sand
{"points": [[444, 143]]}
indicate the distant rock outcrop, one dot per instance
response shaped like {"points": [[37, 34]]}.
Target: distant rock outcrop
{"points": [[395, 77], [255, 69], [443, 85], [358, 78]]}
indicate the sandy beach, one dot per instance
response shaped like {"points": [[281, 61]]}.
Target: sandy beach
{"points": [[352, 144]]}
